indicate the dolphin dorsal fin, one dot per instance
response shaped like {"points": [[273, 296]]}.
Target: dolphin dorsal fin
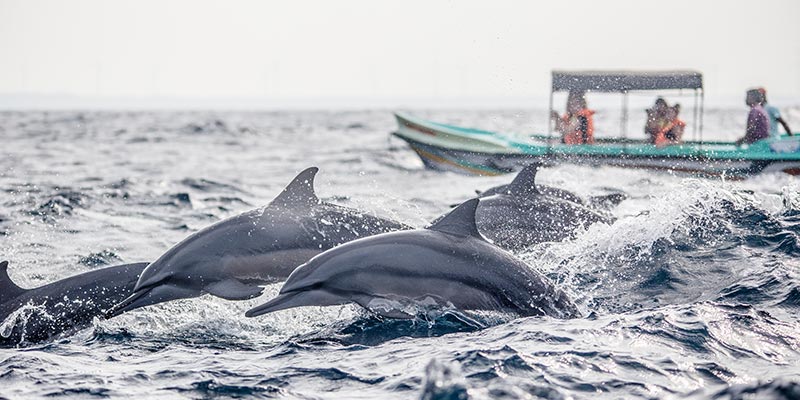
{"points": [[525, 182], [460, 221], [8, 289], [300, 190]]}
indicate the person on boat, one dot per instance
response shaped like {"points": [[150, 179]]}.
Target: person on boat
{"points": [[757, 119], [774, 117], [577, 125], [672, 130], [656, 119]]}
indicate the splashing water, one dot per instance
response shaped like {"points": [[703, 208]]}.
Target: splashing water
{"points": [[693, 292]]}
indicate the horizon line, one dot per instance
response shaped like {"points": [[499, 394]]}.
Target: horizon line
{"points": [[67, 102]]}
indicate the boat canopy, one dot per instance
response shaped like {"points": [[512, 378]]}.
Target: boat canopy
{"points": [[625, 81]]}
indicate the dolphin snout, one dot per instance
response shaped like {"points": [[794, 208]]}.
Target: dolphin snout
{"points": [[309, 297], [152, 295], [128, 304]]}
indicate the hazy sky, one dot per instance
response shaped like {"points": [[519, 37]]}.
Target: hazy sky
{"points": [[379, 49]]}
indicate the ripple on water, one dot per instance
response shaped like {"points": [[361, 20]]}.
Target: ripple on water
{"points": [[692, 292]]}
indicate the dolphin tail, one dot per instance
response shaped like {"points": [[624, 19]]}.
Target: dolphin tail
{"points": [[297, 299], [150, 296]]}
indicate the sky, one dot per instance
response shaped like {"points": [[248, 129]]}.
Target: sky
{"points": [[378, 52]]}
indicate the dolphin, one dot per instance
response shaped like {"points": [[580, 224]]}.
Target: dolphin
{"points": [[36, 315], [448, 264], [520, 214], [235, 257], [528, 176]]}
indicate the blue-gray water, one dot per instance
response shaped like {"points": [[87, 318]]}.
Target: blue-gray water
{"points": [[693, 292]]}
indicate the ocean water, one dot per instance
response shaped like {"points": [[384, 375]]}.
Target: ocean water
{"points": [[693, 292]]}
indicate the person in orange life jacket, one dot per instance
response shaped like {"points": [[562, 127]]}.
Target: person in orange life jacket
{"points": [[672, 131], [656, 119], [577, 125]]}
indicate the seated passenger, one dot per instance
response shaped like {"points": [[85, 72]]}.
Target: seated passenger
{"points": [[774, 117], [656, 119], [577, 125], [757, 120], [672, 131]]}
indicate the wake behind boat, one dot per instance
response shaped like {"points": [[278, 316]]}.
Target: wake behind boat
{"points": [[478, 152]]}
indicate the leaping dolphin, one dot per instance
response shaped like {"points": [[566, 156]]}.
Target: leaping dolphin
{"points": [[39, 314], [449, 263], [232, 258], [520, 214], [528, 175]]}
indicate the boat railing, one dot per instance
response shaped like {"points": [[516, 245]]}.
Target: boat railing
{"points": [[624, 140]]}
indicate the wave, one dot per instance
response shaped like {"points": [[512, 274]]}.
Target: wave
{"points": [[60, 203], [371, 330], [103, 257], [692, 292], [695, 244], [778, 389]]}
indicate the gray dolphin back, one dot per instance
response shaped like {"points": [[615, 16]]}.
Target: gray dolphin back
{"points": [[235, 257], [448, 263], [61, 307], [515, 223]]}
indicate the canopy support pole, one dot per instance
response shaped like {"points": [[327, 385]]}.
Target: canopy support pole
{"points": [[694, 117], [550, 122], [624, 119], [702, 112]]}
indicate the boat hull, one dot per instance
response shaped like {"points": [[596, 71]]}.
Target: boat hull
{"points": [[438, 150]]}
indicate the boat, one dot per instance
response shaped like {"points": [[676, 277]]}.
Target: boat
{"points": [[478, 152]]}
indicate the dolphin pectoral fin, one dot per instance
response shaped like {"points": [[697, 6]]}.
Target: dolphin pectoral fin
{"points": [[298, 299], [232, 289], [150, 296]]}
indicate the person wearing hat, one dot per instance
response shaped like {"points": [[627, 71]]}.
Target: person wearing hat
{"points": [[757, 120], [774, 117]]}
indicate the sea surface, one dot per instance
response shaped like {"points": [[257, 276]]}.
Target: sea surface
{"points": [[694, 291]]}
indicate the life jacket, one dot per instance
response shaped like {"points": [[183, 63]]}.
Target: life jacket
{"points": [[653, 125], [662, 139], [573, 133]]}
